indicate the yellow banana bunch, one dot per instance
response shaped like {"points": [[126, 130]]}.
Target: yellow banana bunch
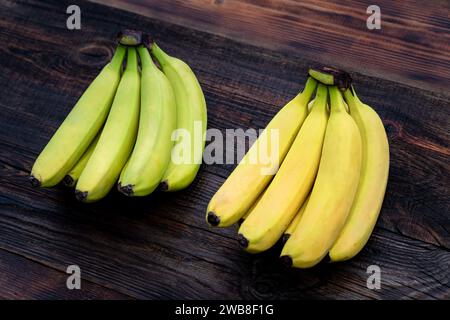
{"points": [[151, 155], [333, 192], [240, 191], [117, 138], [80, 127], [292, 183], [372, 185], [187, 153]]}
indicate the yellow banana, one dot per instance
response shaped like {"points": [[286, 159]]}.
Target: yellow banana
{"points": [[71, 178], [187, 153], [117, 138], [333, 192], [372, 186], [294, 223], [151, 154], [79, 128], [292, 183], [237, 194]]}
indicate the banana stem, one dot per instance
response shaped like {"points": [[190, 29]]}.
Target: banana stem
{"points": [[159, 54], [351, 100], [336, 100], [320, 100], [117, 59], [146, 59], [132, 60], [307, 92]]}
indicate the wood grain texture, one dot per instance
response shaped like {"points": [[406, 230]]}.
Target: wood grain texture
{"points": [[159, 246], [412, 46], [22, 278]]}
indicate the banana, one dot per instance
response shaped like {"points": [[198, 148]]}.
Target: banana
{"points": [[333, 192], [237, 194], [372, 186], [79, 128], [292, 183], [294, 223], [151, 154], [117, 138], [71, 178], [191, 122]]}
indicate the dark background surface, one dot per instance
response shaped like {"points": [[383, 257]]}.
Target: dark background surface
{"points": [[159, 246]]}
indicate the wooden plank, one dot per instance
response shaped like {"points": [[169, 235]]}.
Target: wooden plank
{"points": [[160, 246], [24, 279], [411, 48], [145, 250]]}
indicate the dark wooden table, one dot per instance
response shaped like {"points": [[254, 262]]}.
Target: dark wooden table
{"points": [[159, 246]]}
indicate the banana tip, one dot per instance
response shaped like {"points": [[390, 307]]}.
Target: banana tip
{"points": [[243, 242], [34, 181], [285, 238], [126, 190], [286, 261], [164, 186], [81, 195], [68, 181], [213, 219]]}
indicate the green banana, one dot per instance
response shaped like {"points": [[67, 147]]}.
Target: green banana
{"points": [[117, 138], [191, 122], [79, 128], [71, 178], [151, 154]]}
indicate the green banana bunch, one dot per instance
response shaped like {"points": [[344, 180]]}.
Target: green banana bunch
{"points": [[240, 191], [151, 154], [333, 192], [79, 128], [71, 178], [292, 183], [117, 138], [191, 122], [373, 180]]}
